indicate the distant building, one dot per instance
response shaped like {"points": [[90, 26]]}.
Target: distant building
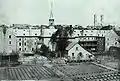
{"points": [[111, 37], [93, 44], [7, 41], [25, 39]]}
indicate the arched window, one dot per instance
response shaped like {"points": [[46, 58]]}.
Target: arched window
{"points": [[9, 36]]}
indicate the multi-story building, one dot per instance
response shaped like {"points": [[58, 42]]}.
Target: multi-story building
{"points": [[25, 38], [7, 40], [92, 44], [111, 38]]}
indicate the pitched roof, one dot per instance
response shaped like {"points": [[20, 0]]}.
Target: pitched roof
{"points": [[72, 44], [117, 32]]}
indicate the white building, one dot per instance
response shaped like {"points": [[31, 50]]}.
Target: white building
{"points": [[28, 38], [76, 52], [7, 41]]}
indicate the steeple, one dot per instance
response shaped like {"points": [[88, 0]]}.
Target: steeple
{"points": [[51, 19]]}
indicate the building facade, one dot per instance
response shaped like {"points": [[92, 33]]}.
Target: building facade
{"points": [[7, 41], [77, 52], [25, 38], [93, 44], [111, 38]]}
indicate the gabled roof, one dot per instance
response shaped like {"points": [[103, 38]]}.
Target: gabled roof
{"points": [[117, 32], [71, 45]]}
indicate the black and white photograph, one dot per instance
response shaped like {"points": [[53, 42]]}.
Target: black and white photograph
{"points": [[59, 40]]}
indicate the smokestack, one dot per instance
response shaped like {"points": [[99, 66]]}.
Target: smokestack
{"points": [[95, 20], [101, 19]]}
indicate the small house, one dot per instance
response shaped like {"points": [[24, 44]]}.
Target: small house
{"points": [[76, 52]]}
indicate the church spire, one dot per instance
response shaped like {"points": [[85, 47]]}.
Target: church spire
{"points": [[51, 19], [51, 11]]}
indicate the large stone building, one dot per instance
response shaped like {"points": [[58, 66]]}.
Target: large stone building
{"points": [[93, 44], [24, 38], [111, 38], [7, 40]]}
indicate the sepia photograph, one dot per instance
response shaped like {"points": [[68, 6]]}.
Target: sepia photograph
{"points": [[59, 40]]}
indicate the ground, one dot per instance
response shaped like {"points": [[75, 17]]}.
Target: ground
{"points": [[57, 71], [27, 73]]}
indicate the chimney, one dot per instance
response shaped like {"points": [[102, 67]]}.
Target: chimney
{"points": [[101, 19], [95, 20]]}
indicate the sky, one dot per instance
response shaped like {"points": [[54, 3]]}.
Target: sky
{"points": [[78, 12]]}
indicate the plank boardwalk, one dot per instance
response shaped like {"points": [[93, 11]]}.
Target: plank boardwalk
{"points": [[29, 72]]}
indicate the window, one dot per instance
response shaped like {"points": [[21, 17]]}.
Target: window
{"points": [[35, 43], [78, 34], [98, 34], [32, 49], [25, 43], [85, 34], [91, 34], [25, 48], [9, 42], [35, 33], [10, 36], [107, 43], [19, 39], [91, 31], [19, 49], [23, 34], [115, 43], [20, 44], [102, 34], [72, 54], [76, 48], [107, 38]]}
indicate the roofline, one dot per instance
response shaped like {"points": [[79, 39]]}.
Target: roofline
{"points": [[58, 37], [73, 46]]}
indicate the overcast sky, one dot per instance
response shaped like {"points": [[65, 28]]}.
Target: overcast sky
{"points": [[65, 11]]}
